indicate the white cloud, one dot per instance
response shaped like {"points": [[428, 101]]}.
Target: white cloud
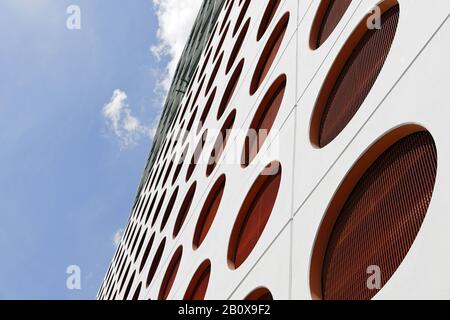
{"points": [[121, 122], [117, 237], [175, 21]]}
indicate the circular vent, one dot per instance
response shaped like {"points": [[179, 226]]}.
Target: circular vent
{"points": [[269, 13], [199, 283], [352, 77], [374, 217], [209, 211], [155, 262], [328, 16], [254, 215], [184, 209], [269, 53], [171, 273], [263, 120], [221, 143], [259, 294]]}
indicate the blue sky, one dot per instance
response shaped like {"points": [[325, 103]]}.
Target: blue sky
{"points": [[67, 180]]}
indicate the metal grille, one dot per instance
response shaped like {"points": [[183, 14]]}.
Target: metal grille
{"points": [[358, 77], [381, 218], [333, 14]]}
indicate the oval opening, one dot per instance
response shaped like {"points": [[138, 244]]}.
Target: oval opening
{"points": [[352, 76], [158, 208], [212, 36], [196, 156], [180, 164], [227, 15], [184, 209], [328, 16], [197, 94], [194, 75], [168, 171], [269, 13], [139, 247], [125, 276], [156, 261], [259, 294], [208, 212], [199, 283], [184, 108], [189, 127], [130, 283], [241, 16], [231, 87], [171, 273], [220, 44], [254, 215], [150, 208], [263, 120], [136, 237], [137, 292], [169, 208], [206, 110], [206, 61], [214, 74], [221, 143], [237, 46], [269, 53], [381, 203], [147, 252]]}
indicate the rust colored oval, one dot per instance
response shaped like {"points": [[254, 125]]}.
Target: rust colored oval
{"points": [[352, 77], [212, 36], [269, 53], [328, 16], [137, 292], [206, 61], [237, 46], [259, 294], [206, 110], [208, 212], [180, 164], [171, 273], [147, 252], [196, 156], [231, 87], [214, 74], [158, 208], [156, 261], [241, 16], [227, 15], [254, 215], [375, 216], [139, 247], [263, 120], [222, 40], [150, 208], [169, 208], [168, 171], [269, 13], [130, 284], [199, 283], [221, 143], [184, 209]]}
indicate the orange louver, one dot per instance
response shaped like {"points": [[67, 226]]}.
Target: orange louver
{"points": [[381, 218]]}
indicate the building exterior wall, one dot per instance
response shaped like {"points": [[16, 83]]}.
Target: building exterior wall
{"points": [[410, 94]]}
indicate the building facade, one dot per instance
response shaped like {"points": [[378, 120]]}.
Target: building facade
{"points": [[301, 155]]}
